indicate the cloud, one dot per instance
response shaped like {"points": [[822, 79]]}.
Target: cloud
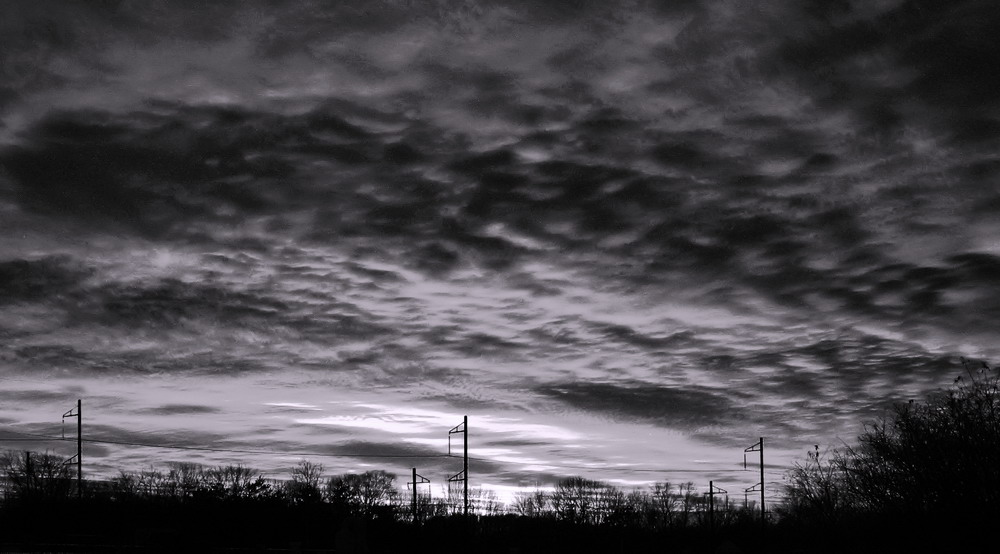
{"points": [[518, 208], [180, 409], [39, 279], [141, 172], [684, 407], [170, 303], [877, 64], [40, 395]]}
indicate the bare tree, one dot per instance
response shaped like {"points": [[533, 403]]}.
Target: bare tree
{"points": [[688, 502], [148, 483], [32, 476], [365, 493], [236, 482], [663, 505], [535, 503], [581, 500], [304, 487], [485, 502], [187, 479], [818, 489]]}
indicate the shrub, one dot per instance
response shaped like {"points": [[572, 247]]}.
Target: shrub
{"points": [[932, 460], [938, 457]]}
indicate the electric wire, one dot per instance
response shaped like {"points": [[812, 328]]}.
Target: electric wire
{"points": [[268, 452], [35, 437], [32, 437]]}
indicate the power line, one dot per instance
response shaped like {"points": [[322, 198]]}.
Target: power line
{"points": [[248, 451], [606, 468], [33, 437], [37, 437]]}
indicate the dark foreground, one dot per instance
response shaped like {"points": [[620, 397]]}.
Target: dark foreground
{"points": [[99, 526]]}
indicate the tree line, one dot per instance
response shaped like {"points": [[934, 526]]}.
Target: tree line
{"points": [[33, 478], [925, 476]]}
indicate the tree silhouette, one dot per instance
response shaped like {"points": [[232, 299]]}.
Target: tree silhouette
{"points": [[34, 477], [367, 494], [304, 486], [940, 457], [933, 460], [236, 482]]}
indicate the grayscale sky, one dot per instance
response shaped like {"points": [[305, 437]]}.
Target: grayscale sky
{"points": [[626, 238]]}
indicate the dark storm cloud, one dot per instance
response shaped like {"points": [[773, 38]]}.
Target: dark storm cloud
{"points": [[688, 407], [169, 303], [146, 172], [940, 54], [631, 337], [148, 361], [942, 294], [784, 200], [180, 409], [34, 395], [376, 448], [395, 454], [517, 443], [50, 356], [847, 376], [39, 279], [155, 174], [138, 439]]}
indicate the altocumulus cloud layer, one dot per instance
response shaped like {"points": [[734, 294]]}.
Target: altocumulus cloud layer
{"points": [[643, 234]]}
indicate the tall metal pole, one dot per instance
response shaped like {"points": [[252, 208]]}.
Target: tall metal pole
{"points": [[79, 448], [711, 507], [29, 475], [465, 462], [763, 521], [712, 489], [79, 445], [757, 447], [464, 474], [417, 480]]}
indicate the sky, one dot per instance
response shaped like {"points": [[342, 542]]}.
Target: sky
{"points": [[625, 239]]}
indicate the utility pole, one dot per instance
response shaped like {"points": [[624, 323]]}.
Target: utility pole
{"points": [[465, 460], [712, 489], [462, 476], [415, 483], [79, 445], [757, 447], [29, 479]]}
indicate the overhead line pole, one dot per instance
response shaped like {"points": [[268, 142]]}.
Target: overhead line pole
{"points": [[79, 445], [79, 448], [417, 480], [712, 489], [465, 460], [464, 474], [758, 447]]}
